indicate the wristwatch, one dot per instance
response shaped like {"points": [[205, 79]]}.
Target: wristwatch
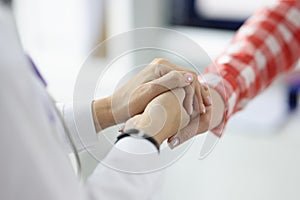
{"points": [[138, 134]]}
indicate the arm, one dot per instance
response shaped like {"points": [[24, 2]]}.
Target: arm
{"points": [[158, 77], [132, 98], [110, 180], [267, 45]]}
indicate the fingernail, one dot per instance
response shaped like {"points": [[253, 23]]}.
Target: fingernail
{"points": [[205, 87], [174, 142], [203, 108], [209, 100], [189, 78]]}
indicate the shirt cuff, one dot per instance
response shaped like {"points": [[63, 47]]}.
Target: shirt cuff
{"points": [[81, 128], [216, 82]]}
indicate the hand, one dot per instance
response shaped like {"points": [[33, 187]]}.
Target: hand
{"points": [[195, 98], [163, 117], [201, 123], [131, 99]]}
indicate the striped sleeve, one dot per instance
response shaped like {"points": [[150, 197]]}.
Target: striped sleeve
{"points": [[267, 45]]}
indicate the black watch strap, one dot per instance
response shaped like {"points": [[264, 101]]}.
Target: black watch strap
{"points": [[138, 134]]}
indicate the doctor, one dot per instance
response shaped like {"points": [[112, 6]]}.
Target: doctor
{"points": [[34, 144]]}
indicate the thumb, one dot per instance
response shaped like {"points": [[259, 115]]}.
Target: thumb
{"points": [[184, 134], [173, 79]]}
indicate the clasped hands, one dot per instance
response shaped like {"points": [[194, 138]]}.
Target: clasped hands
{"points": [[164, 100]]}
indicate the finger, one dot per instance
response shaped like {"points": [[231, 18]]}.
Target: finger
{"points": [[152, 89], [206, 96], [185, 117], [180, 94], [185, 134], [198, 124], [198, 94], [163, 67], [205, 92], [196, 105], [171, 80], [188, 101]]}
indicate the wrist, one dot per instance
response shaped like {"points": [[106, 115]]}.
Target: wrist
{"points": [[102, 114], [158, 139], [144, 124], [218, 108], [136, 133]]}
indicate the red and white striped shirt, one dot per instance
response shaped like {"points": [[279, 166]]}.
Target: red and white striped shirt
{"points": [[267, 45]]}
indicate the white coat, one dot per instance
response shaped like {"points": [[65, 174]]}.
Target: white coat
{"points": [[34, 160]]}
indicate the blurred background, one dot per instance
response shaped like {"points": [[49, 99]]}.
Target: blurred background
{"points": [[258, 156]]}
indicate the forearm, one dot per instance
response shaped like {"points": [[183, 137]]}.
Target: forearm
{"points": [[267, 45], [102, 114]]}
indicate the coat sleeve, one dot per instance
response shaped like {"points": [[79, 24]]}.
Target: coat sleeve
{"points": [[130, 170]]}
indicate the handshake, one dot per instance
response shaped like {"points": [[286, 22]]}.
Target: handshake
{"points": [[165, 101]]}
